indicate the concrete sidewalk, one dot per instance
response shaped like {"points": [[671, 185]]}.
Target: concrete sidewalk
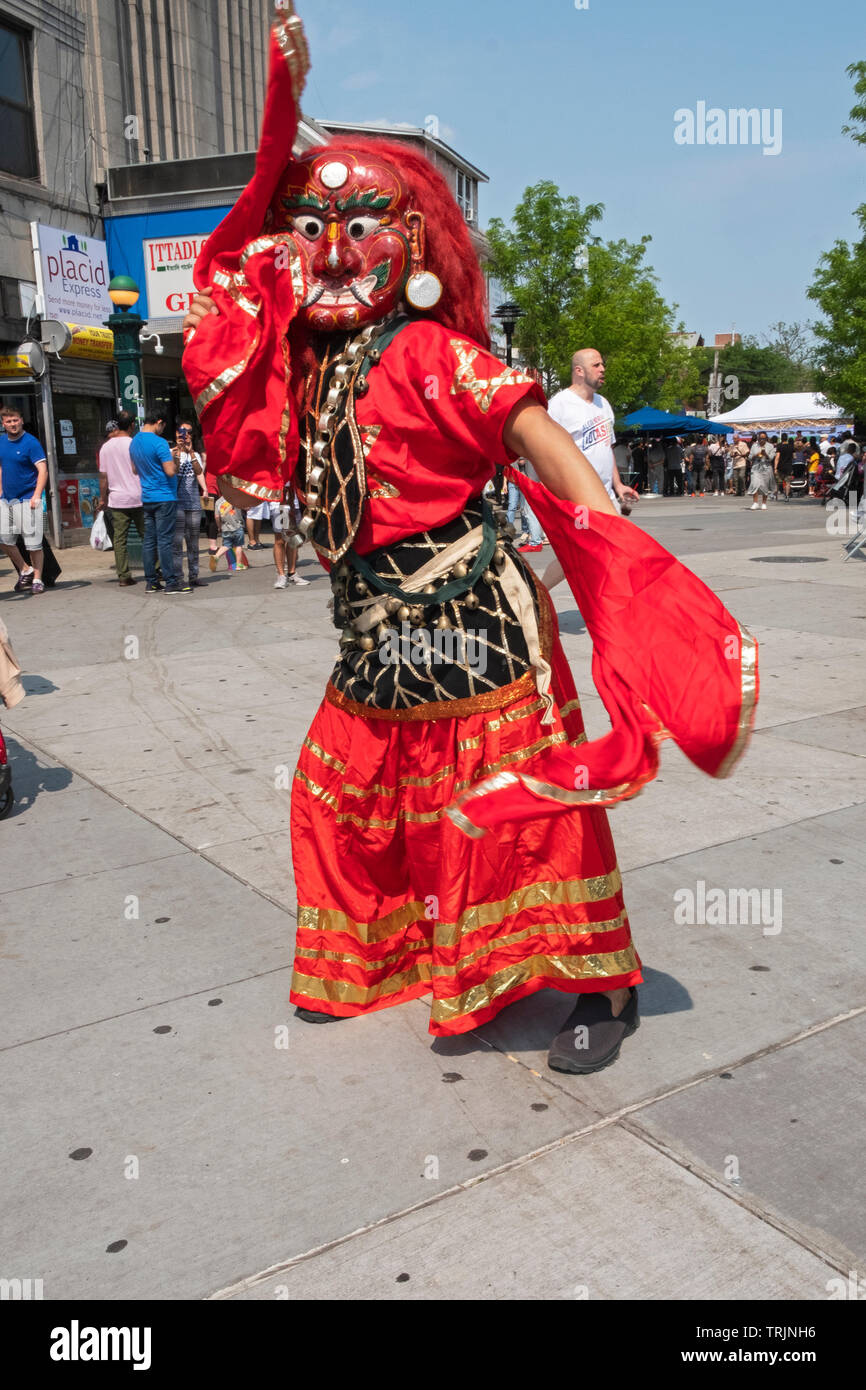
{"points": [[174, 1132]]}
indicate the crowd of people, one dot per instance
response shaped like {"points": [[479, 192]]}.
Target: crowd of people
{"points": [[161, 491], [759, 466]]}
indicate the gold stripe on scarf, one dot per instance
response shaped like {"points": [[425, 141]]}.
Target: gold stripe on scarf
{"points": [[326, 919], [603, 966], [267, 494], [219, 384], [748, 700], [576, 930], [551, 893], [229, 284]]}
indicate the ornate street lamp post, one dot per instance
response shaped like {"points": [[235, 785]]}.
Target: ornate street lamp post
{"points": [[508, 315], [126, 327]]}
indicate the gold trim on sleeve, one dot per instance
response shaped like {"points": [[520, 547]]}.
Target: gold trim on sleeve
{"points": [[749, 700]]}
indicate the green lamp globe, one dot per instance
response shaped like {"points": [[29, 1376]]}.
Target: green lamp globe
{"points": [[123, 292]]}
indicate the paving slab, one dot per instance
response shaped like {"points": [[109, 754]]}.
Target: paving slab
{"points": [[127, 938], [81, 830], [717, 993], [603, 1217], [245, 1151], [789, 1128]]}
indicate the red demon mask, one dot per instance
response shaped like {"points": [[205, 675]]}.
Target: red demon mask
{"points": [[357, 237]]}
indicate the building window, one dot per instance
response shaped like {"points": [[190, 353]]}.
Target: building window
{"points": [[467, 196], [18, 147]]}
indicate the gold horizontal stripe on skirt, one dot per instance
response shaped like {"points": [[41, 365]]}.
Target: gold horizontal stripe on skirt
{"points": [[339, 992], [327, 919], [315, 789], [494, 725], [324, 757], [569, 708], [420, 817], [403, 782], [555, 967], [573, 929], [352, 957], [550, 893]]}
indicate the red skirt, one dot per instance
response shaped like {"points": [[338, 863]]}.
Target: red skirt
{"points": [[395, 902]]}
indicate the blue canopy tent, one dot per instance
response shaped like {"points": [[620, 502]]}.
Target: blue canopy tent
{"points": [[648, 421]]}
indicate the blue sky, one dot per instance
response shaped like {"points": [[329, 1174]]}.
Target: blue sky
{"points": [[587, 98]]}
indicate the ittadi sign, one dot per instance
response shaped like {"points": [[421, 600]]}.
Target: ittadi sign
{"points": [[71, 276], [168, 266]]}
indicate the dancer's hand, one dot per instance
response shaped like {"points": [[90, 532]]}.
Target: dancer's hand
{"points": [[201, 306]]}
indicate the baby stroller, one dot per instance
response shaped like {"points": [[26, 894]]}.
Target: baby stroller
{"points": [[7, 796]]}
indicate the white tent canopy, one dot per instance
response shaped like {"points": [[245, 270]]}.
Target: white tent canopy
{"points": [[788, 410]]}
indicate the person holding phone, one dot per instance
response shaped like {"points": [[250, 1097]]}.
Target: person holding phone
{"points": [[191, 488]]}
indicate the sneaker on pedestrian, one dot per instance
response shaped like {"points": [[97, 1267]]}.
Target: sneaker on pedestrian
{"points": [[37, 587], [296, 579], [198, 583], [754, 507], [763, 506], [25, 579], [153, 589], [178, 588], [282, 582]]}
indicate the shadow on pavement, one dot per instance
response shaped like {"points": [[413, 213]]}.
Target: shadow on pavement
{"points": [[30, 778]]}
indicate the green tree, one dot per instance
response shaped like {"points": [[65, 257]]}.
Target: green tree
{"points": [[612, 305], [839, 290], [795, 343], [747, 369]]}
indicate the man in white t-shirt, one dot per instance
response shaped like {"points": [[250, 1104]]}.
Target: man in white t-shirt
{"points": [[588, 418]]}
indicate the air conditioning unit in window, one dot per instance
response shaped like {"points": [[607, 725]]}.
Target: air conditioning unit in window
{"points": [[469, 215]]}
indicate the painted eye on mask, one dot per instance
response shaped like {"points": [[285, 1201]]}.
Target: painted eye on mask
{"points": [[308, 226], [360, 227]]}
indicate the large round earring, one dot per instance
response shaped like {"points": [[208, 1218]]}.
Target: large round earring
{"points": [[423, 288]]}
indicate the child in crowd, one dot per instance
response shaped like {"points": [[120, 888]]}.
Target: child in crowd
{"points": [[231, 524]]}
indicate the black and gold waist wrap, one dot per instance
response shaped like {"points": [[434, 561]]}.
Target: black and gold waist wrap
{"points": [[458, 638]]}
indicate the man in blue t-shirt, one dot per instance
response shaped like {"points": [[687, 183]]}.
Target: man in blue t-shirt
{"points": [[24, 474], [156, 465]]}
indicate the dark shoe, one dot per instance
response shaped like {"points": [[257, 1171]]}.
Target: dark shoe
{"points": [[153, 588], [603, 1036], [125, 583], [198, 584], [180, 588], [311, 1016], [24, 581]]}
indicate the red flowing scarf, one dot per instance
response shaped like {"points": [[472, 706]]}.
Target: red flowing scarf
{"points": [[669, 661]]}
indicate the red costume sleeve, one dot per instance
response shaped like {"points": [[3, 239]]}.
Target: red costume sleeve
{"points": [[466, 392], [669, 661], [236, 362]]}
